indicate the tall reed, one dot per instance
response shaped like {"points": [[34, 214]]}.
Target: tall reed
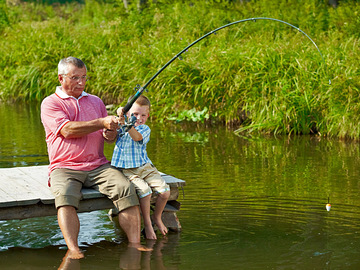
{"points": [[260, 76]]}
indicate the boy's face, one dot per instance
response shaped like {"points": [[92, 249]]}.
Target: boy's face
{"points": [[140, 112]]}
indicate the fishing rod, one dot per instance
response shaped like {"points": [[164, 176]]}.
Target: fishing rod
{"points": [[141, 89]]}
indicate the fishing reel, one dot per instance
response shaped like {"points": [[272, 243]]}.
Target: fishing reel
{"points": [[129, 123]]}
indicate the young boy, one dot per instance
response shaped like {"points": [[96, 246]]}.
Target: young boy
{"points": [[130, 156]]}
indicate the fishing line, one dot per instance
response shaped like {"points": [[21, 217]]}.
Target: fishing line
{"points": [[141, 89]]}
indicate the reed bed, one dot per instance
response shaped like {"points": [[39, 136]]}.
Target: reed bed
{"points": [[259, 77]]}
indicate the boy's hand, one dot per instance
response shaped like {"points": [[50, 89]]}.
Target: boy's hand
{"points": [[120, 113]]}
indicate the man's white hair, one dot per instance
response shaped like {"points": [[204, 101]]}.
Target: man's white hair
{"points": [[64, 64]]}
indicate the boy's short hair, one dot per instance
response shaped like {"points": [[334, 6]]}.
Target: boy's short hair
{"points": [[142, 101]]}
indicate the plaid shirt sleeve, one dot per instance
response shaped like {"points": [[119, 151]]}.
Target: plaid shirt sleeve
{"points": [[130, 154]]}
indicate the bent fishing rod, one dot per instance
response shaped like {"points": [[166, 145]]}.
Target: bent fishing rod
{"points": [[141, 89]]}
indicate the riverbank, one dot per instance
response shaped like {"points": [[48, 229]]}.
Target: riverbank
{"points": [[260, 76]]}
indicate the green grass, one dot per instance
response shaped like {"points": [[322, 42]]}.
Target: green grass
{"points": [[259, 77]]}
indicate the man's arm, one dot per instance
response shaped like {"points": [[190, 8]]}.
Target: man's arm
{"points": [[75, 129]]}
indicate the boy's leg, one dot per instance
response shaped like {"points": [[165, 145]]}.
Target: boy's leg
{"points": [[158, 185], [159, 208], [145, 210], [144, 192]]}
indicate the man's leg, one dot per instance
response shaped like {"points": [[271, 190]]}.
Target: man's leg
{"points": [[130, 222], [117, 187], [66, 186], [70, 226]]}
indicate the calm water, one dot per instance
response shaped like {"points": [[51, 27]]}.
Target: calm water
{"points": [[254, 203]]}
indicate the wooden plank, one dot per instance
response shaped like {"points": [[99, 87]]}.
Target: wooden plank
{"points": [[171, 221], [90, 193], [24, 193], [21, 177], [15, 183], [174, 194], [173, 181], [29, 184], [43, 210], [95, 204], [6, 200], [38, 176], [27, 211]]}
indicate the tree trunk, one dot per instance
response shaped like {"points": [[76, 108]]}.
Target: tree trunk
{"points": [[141, 3], [126, 4]]}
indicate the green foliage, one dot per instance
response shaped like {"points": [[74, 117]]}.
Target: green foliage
{"points": [[4, 21], [191, 115], [263, 76]]}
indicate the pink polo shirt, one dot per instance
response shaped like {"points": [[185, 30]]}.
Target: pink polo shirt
{"points": [[84, 153]]}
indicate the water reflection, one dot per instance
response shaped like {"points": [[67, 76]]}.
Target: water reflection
{"points": [[101, 255], [22, 136], [255, 203], [124, 256]]}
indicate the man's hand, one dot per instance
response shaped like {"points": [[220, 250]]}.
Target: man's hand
{"points": [[111, 123], [109, 135]]}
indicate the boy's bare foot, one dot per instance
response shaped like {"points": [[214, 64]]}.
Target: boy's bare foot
{"points": [[162, 228], [150, 233]]}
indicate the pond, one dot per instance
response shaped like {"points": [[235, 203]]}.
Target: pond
{"points": [[248, 203]]}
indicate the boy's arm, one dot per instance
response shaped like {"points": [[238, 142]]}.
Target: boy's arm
{"points": [[134, 134]]}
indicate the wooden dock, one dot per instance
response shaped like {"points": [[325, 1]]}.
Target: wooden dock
{"points": [[24, 193]]}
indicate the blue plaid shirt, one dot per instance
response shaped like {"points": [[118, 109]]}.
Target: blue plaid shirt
{"points": [[130, 154]]}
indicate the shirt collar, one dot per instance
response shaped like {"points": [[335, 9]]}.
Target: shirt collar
{"points": [[63, 95]]}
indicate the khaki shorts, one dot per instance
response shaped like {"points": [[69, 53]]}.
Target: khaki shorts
{"points": [[66, 186], [146, 178]]}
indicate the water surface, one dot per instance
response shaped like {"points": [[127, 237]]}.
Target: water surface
{"points": [[250, 203]]}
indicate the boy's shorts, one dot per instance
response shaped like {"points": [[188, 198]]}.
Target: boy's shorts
{"points": [[146, 178], [66, 185]]}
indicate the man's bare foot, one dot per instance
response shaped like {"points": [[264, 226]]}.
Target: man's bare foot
{"points": [[74, 254], [70, 263], [139, 247], [162, 228], [149, 233]]}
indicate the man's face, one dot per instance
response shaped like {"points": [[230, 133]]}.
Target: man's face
{"points": [[140, 112], [73, 83]]}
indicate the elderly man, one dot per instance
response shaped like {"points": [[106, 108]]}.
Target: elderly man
{"points": [[76, 126]]}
